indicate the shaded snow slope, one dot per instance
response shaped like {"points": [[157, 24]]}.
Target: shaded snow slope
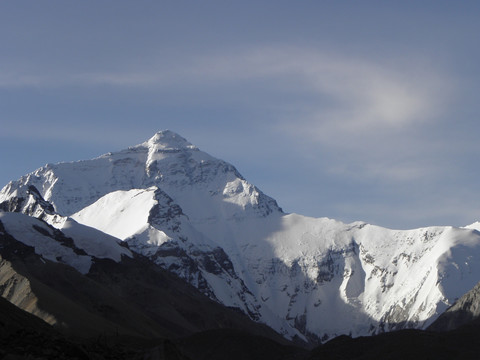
{"points": [[199, 218], [43, 239], [75, 245]]}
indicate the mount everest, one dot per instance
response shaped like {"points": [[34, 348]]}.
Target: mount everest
{"points": [[196, 216]]}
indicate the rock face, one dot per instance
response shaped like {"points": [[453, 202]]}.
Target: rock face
{"points": [[197, 217], [465, 310]]}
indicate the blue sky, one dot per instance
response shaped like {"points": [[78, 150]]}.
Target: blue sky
{"points": [[363, 110]]}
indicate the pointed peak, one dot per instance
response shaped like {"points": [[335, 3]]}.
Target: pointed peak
{"points": [[169, 140]]}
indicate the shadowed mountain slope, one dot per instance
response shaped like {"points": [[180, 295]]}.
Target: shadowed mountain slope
{"points": [[132, 297]]}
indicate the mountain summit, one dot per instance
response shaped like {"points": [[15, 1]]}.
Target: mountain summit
{"points": [[197, 217], [168, 140]]}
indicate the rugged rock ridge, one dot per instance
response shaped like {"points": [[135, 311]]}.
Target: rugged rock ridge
{"points": [[463, 311], [199, 218]]}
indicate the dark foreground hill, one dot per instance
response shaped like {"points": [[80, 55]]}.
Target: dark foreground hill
{"points": [[24, 336], [404, 344]]}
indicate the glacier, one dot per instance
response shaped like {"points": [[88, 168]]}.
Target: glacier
{"points": [[196, 216]]}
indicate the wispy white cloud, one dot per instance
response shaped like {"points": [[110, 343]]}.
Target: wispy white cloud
{"points": [[371, 118], [374, 92], [356, 108]]}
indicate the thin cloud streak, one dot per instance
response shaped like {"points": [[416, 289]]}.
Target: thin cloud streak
{"points": [[356, 106], [69, 132], [362, 93]]}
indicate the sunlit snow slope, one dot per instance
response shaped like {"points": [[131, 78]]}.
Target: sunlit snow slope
{"points": [[198, 217]]}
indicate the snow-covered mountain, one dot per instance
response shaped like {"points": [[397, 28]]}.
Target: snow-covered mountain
{"points": [[198, 217]]}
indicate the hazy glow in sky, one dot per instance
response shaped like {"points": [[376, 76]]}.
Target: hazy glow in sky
{"points": [[352, 110]]}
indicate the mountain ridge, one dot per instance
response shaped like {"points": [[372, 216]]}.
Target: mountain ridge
{"points": [[128, 296], [197, 217]]}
